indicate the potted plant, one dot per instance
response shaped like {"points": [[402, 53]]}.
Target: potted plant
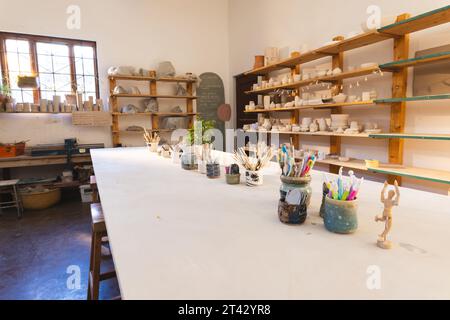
{"points": [[5, 97], [198, 141]]}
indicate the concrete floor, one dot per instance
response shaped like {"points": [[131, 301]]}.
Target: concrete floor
{"points": [[36, 252]]}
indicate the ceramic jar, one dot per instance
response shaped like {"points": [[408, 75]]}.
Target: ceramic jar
{"points": [[213, 170], [253, 178], [202, 166], [189, 161], [176, 157], [153, 147], [341, 216], [325, 192], [297, 213], [233, 178]]}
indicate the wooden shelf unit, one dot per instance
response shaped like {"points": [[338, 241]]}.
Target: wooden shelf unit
{"points": [[153, 93], [399, 32]]}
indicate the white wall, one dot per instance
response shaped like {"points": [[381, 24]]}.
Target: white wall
{"points": [[257, 24], [193, 34]]}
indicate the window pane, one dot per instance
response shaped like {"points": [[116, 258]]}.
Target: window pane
{"points": [[60, 50], [28, 95], [47, 94], [89, 84], [88, 66], [13, 62], [13, 80], [84, 52], [11, 45], [46, 81], [79, 66], [45, 63], [44, 48], [25, 63], [80, 84], [17, 95], [61, 65], [23, 46], [62, 82]]}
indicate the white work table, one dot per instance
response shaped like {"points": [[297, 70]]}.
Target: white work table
{"points": [[175, 234]]}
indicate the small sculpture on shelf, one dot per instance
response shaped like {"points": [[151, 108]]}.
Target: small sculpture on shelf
{"points": [[391, 201]]}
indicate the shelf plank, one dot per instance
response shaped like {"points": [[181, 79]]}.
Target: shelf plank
{"points": [[126, 95], [139, 78], [410, 136], [415, 173], [397, 65], [174, 114], [142, 132], [336, 105], [355, 42], [318, 106], [313, 134], [287, 63], [352, 164], [157, 114], [417, 23], [342, 76], [416, 98]]}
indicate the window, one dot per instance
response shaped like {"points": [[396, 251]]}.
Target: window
{"points": [[63, 66]]}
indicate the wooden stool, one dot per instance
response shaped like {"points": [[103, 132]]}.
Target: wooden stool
{"points": [[10, 187], [98, 232]]}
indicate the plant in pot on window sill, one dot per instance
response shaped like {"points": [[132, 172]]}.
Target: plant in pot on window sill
{"points": [[6, 102], [254, 164]]}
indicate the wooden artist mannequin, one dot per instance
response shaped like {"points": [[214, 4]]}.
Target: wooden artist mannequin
{"points": [[391, 201]]}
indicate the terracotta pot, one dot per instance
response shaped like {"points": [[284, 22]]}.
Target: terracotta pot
{"points": [[259, 62]]}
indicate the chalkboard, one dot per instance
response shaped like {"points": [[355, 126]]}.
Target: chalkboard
{"points": [[211, 95]]}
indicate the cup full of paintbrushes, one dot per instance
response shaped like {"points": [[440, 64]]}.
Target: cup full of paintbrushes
{"points": [[295, 190], [341, 203], [152, 140], [254, 163]]}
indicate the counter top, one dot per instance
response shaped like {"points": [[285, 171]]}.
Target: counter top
{"points": [[175, 234]]}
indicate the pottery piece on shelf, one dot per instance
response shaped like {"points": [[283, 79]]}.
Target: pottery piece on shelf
{"points": [[120, 90], [314, 127], [259, 62], [340, 98], [166, 69], [337, 71], [151, 105], [130, 109], [180, 90], [122, 71], [272, 55]]}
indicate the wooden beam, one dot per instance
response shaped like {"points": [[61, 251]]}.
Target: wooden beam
{"points": [[335, 142], [398, 109]]}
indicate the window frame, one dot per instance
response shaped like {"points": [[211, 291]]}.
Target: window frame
{"points": [[33, 39]]}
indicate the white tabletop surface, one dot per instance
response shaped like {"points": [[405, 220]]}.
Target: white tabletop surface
{"points": [[177, 235]]}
